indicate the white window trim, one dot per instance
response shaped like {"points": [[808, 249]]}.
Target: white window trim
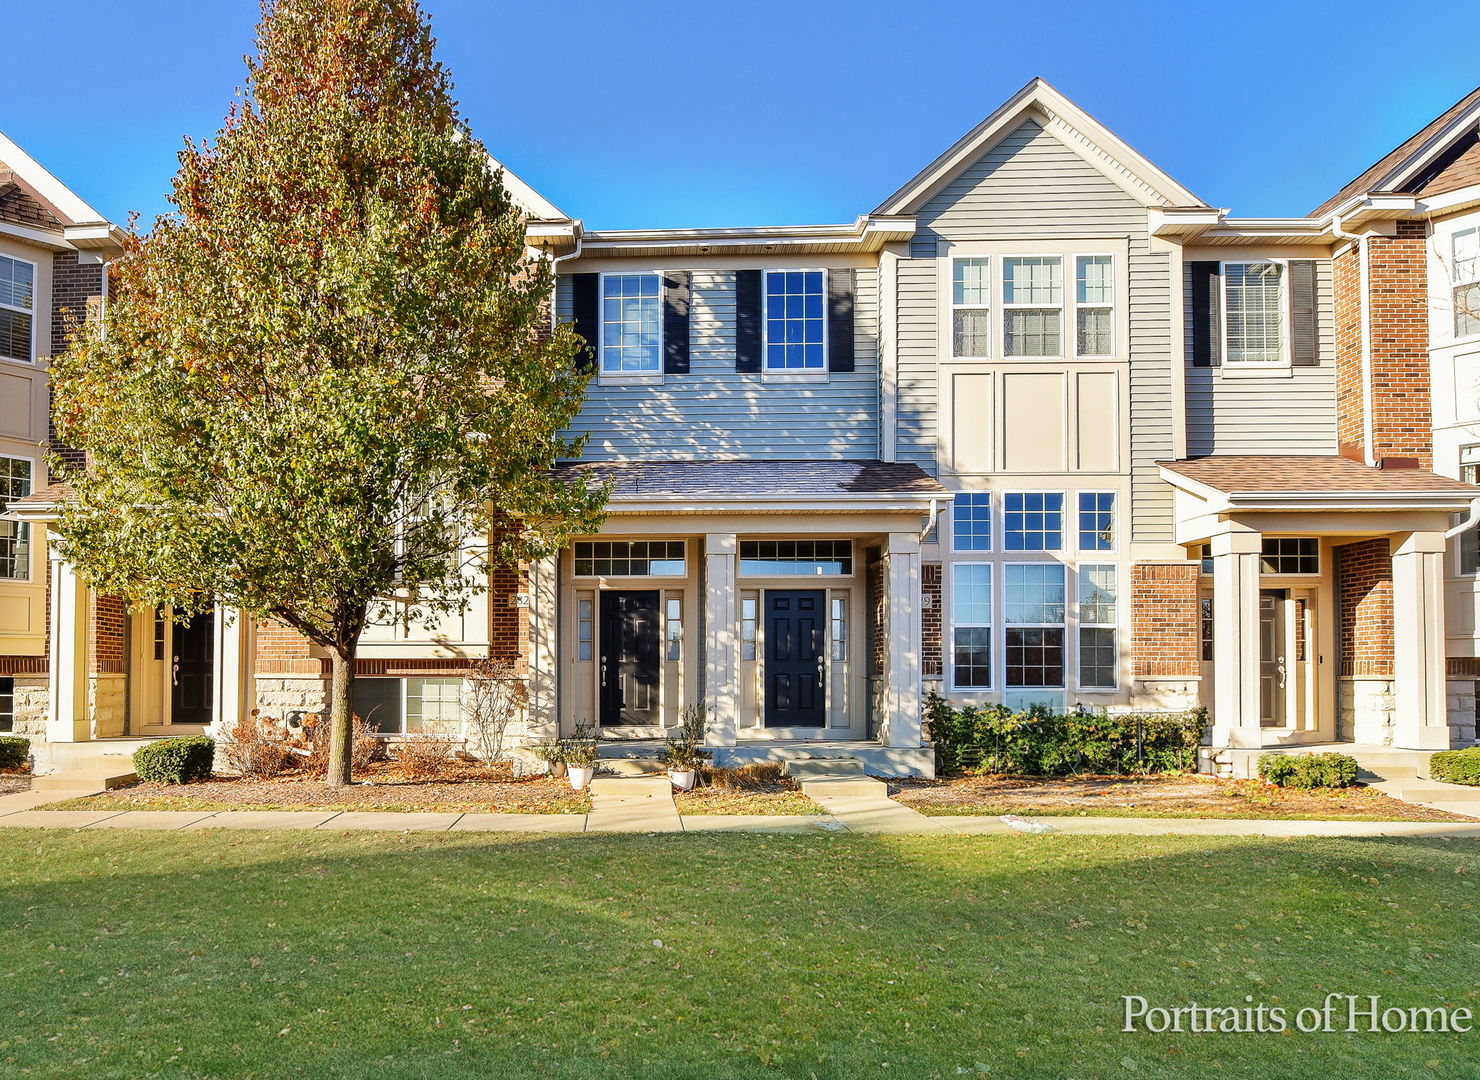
{"points": [[1073, 286], [1081, 624], [770, 373], [1284, 307], [992, 514], [605, 374], [1068, 514], [994, 608], [1114, 521], [952, 306], [405, 683], [1455, 284], [1320, 560], [1005, 307], [36, 485], [1068, 652], [32, 312]]}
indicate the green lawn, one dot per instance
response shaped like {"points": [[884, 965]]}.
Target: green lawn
{"points": [[239, 954]]}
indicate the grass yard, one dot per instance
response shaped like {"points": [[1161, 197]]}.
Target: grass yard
{"points": [[1152, 796], [261, 955]]}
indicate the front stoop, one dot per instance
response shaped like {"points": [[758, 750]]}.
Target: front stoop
{"points": [[842, 787], [633, 804]]}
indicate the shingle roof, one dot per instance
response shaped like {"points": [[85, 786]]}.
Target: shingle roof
{"points": [[759, 478], [1388, 162], [47, 496], [1292, 474]]}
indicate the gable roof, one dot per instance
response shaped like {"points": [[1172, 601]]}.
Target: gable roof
{"points": [[1396, 169], [525, 197], [63, 203], [1081, 132]]}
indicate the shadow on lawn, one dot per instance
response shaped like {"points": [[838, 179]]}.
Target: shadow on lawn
{"points": [[233, 954]]}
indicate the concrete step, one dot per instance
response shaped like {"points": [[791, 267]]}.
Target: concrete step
{"points": [[824, 768], [95, 779], [632, 786], [1386, 772], [632, 766], [1431, 791], [847, 787]]}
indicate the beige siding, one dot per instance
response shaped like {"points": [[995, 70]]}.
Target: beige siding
{"points": [[1288, 413], [715, 412]]}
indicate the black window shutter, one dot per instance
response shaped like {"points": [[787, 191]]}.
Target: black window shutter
{"points": [[747, 320], [840, 287], [585, 309], [1303, 340], [1207, 324], [677, 289]]}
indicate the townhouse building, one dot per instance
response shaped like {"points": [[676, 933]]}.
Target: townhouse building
{"points": [[1043, 427]]}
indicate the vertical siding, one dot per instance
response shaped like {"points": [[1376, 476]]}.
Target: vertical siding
{"points": [[1031, 186], [714, 412], [1291, 413]]}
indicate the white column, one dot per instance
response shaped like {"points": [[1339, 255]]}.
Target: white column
{"points": [[66, 713], [721, 637], [1421, 720], [1236, 637], [901, 726], [233, 694], [543, 710]]}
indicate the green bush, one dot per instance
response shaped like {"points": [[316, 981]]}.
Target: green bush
{"points": [[1456, 766], [14, 752], [1039, 742], [1309, 770], [175, 761]]}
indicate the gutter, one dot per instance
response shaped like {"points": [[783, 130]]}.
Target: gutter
{"points": [[1365, 308], [1468, 523]]}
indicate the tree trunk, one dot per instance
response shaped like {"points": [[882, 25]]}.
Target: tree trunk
{"points": [[341, 710]]}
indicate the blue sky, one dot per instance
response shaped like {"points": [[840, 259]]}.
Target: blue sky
{"points": [[779, 111]]}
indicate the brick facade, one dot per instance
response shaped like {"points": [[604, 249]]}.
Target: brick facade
{"points": [[1402, 418], [76, 292], [932, 622], [1166, 620], [1364, 589], [106, 619]]}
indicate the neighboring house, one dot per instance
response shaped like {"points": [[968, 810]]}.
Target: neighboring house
{"points": [[1042, 428]]}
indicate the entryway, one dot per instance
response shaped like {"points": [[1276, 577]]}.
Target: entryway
{"points": [[630, 667], [796, 667], [1286, 660], [193, 670]]}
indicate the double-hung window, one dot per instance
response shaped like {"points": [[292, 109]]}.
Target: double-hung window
{"points": [[15, 536], [971, 626], [971, 319], [971, 521], [1097, 521], [1032, 305], [1097, 652], [1465, 275], [1253, 313], [1094, 305], [1033, 612], [1033, 521], [17, 307], [631, 323], [413, 706], [795, 322]]}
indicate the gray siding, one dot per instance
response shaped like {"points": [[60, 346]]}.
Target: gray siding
{"points": [[1284, 414], [713, 412], [1031, 186]]}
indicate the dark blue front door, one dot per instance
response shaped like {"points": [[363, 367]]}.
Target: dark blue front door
{"points": [[629, 657], [795, 667]]}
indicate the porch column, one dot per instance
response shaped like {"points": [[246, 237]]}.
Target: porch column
{"points": [[901, 720], [1236, 636], [66, 712], [233, 697], [721, 639], [543, 717], [1421, 719]]}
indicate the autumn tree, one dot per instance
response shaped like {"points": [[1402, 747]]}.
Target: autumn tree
{"points": [[330, 365]]}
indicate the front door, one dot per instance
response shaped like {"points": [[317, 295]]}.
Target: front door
{"points": [[1273, 652], [192, 670], [795, 659], [630, 637]]}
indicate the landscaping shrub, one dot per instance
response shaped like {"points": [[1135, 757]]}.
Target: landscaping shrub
{"points": [[252, 754], [1309, 770], [1038, 742], [14, 752], [176, 761], [1456, 766], [756, 776], [364, 747], [424, 757]]}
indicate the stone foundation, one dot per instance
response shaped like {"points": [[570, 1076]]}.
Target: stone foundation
{"points": [[32, 697], [278, 695], [1462, 694], [1170, 694], [107, 705], [1366, 709]]}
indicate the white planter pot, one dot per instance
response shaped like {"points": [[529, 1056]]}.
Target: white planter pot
{"points": [[580, 776], [683, 779]]}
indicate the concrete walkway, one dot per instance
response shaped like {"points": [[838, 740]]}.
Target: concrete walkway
{"points": [[652, 811]]}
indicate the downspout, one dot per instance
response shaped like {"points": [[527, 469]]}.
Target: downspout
{"points": [[935, 515], [1365, 308], [1468, 523], [575, 254]]}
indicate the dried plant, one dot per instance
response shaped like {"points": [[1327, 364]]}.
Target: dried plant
{"points": [[425, 757], [251, 752], [496, 698]]}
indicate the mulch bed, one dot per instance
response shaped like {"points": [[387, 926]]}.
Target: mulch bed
{"points": [[460, 788], [781, 797], [1155, 796], [10, 783]]}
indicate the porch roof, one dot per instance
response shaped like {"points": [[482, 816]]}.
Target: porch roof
{"points": [[39, 505], [747, 482], [1313, 482]]}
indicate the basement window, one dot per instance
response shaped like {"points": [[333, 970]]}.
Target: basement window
{"points": [[391, 706]]}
